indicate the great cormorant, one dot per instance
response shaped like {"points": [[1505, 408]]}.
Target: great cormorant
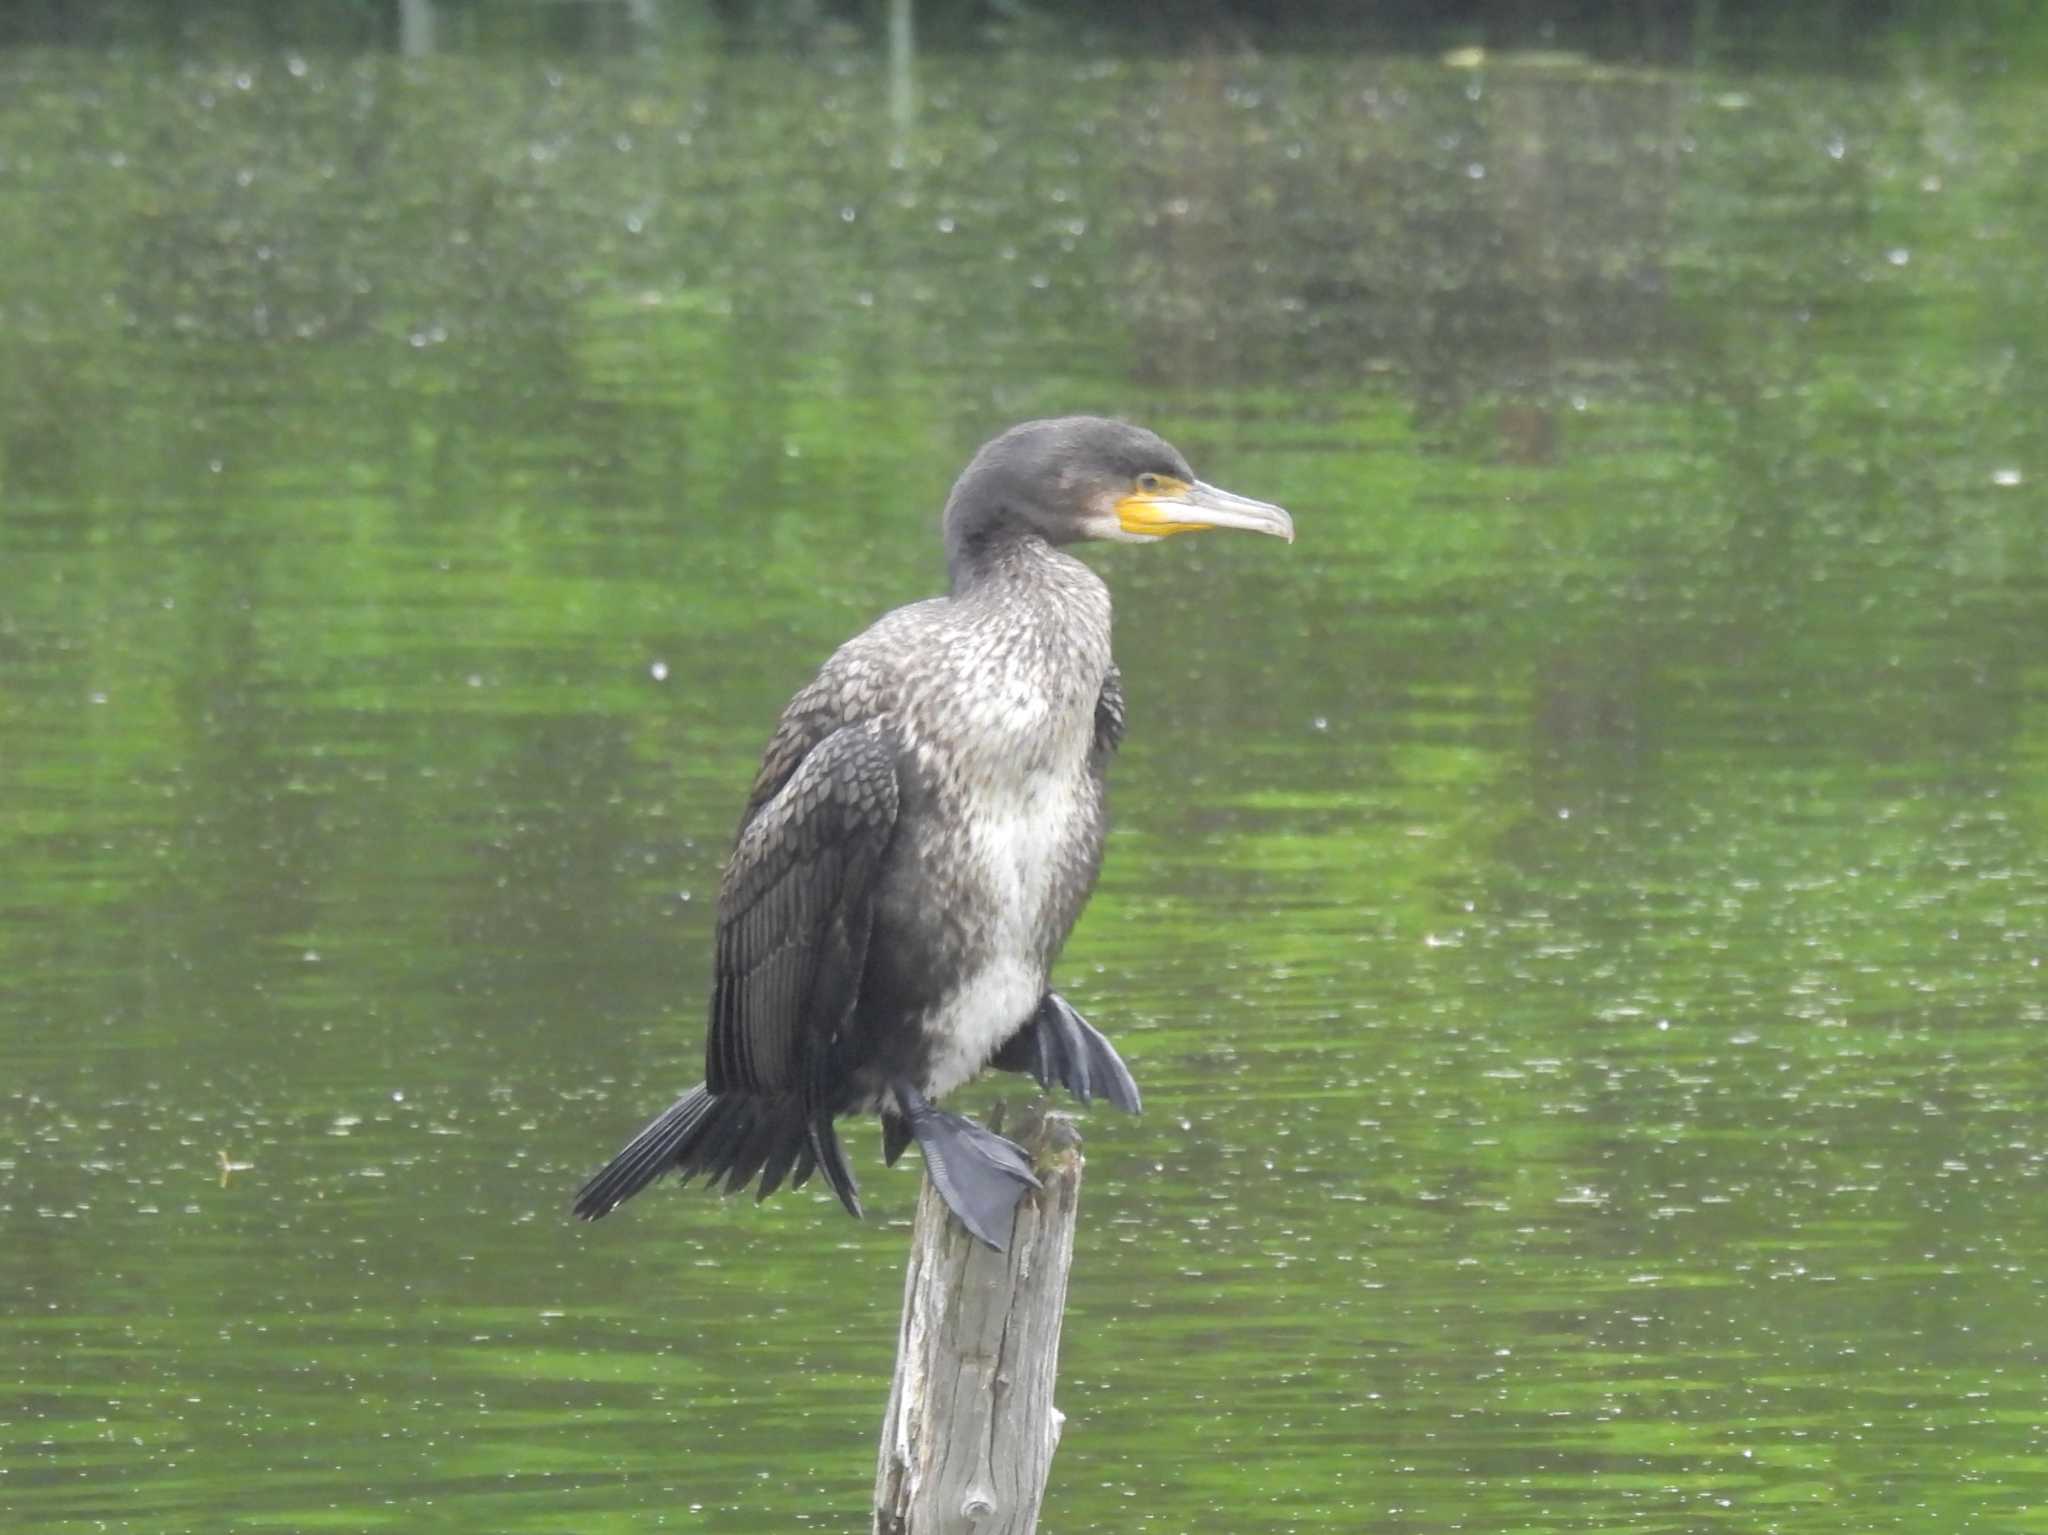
{"points": [[924, 829]]}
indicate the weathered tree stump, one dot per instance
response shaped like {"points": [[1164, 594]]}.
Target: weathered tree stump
{"points": [[971, 1427]]}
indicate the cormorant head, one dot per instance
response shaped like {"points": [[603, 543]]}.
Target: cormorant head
{"points": [[1079, 477]]}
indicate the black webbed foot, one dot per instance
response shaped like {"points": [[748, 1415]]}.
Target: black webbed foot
{"points": [[980, 1175], [1059, 1045], [895, 1136]]}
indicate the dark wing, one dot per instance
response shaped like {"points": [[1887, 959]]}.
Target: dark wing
{"points": [[794, 913], [1109, 716], [859, 682], [806, 722]]}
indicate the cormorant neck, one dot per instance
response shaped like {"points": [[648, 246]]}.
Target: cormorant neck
{"points": [[978, 554]]}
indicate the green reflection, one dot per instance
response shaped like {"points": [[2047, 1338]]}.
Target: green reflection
{"points": [[1579, 922]]}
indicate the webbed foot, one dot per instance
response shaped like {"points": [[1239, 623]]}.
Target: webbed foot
{"points": [[980, 1175], [1059, 1045]]}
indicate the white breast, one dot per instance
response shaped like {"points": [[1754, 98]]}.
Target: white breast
{"points": [[1000, 724], [1017, 840], [1018, 799]]}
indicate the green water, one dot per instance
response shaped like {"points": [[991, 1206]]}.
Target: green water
{"points": [[1579, 916]]}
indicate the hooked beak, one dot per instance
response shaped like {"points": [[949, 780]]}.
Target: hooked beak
{"points": [[1184, 507]]}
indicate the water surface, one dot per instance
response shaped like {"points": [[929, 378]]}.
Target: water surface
{"points": [[1578, 916]]}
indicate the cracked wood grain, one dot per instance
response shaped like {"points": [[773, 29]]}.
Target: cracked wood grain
{"points": [[969, 1435]]}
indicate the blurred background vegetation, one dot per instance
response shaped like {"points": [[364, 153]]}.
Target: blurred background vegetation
{"points": [[1807, 33]]}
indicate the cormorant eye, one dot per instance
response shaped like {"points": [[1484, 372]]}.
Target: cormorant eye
{"points": [[1148, 481]]}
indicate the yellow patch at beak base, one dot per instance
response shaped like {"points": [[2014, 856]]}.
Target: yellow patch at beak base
{"points": [[1151, 511]]}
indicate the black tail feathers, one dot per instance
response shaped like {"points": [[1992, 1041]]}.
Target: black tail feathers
{"points": [[730, 1137]]}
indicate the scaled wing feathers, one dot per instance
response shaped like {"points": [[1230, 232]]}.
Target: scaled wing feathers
{"points": [[794, 914], [1109, 717]]}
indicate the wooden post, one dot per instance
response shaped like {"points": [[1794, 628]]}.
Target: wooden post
{"points": [[971, 1427]]}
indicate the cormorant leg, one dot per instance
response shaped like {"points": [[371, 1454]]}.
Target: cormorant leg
{"points": [[980, 1175], [1058, 1045]]}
